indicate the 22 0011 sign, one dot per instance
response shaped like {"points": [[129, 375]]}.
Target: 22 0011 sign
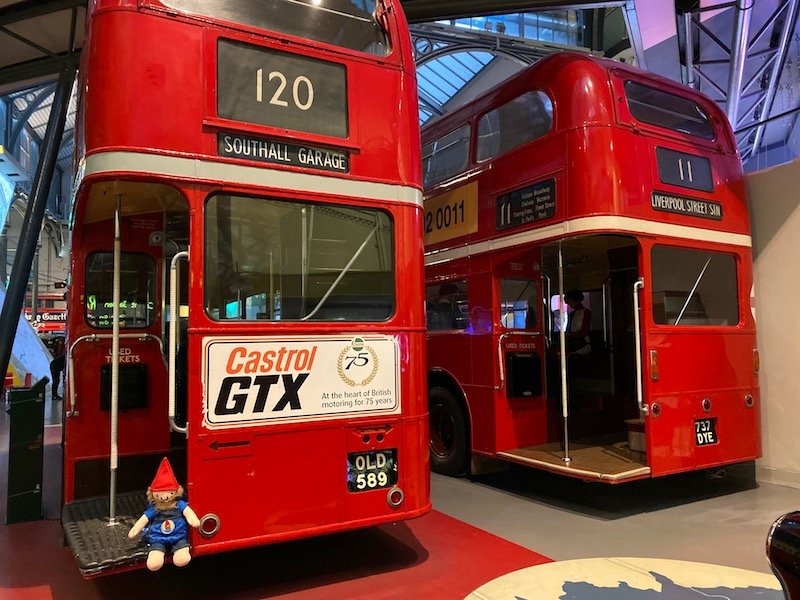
{"points": [[371, 470]]}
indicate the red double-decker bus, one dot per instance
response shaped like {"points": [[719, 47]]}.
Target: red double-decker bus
{"points": [[588, 275], [247, 196]]}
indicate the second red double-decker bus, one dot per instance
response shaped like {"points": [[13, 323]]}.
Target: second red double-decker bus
{"points": [[247, 197], [588, 273]]}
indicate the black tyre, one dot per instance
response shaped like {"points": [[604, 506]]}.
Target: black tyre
{"points": [[448, 433]]}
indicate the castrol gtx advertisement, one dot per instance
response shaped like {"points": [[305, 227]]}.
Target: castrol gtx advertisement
{"points": [[250, 381]]}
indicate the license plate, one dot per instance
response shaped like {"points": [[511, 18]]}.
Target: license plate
{"points": [[371, 470], [706, 431]]}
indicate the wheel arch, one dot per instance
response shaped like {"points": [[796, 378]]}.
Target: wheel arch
{"points": [[442, 378]]}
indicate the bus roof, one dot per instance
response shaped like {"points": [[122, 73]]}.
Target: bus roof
{"points": [[582, 78]]}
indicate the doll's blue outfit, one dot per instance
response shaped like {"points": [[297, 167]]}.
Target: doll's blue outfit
{"points": [[166, 529]]}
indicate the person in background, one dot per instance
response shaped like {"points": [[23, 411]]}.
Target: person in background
{"points": [[57, 366], [579, 323]]}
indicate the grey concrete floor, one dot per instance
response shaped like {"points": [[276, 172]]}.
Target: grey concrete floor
{"points": [[684, 517]]}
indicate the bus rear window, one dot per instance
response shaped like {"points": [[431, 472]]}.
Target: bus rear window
{"points": [[446, 157], [277, 260], [345, 23], [666, 110], [694, 287]]}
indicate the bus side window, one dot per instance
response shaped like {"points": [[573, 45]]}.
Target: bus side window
{"points": [[518, 303], [524, 119], [446, 157], [446, 306]]}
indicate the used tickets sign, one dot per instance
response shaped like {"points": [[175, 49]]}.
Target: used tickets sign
{"points": [[252, 381]]}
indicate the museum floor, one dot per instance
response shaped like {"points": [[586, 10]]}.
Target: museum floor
{"points": [[540, 528]]}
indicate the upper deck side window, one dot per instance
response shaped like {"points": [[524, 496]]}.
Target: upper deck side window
{"points": [[522, 120], [345, 23], [667, 110], [446, 156]]}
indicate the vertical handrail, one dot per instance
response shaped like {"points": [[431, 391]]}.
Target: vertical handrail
{"points": [[643, 408], [548, 332], [115, 314], [562, 343], [172, 349], [605, 314]]}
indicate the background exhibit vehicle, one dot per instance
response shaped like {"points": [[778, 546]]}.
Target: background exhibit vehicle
{"points": [[586, 175]]}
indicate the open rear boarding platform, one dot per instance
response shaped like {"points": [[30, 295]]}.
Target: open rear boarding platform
{"points": [[98, 544]]}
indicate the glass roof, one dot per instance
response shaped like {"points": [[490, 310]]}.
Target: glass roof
{"points": [[447, 61]]}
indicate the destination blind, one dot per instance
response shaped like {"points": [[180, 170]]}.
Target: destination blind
{"points": [[281, 153], [686, 206]]}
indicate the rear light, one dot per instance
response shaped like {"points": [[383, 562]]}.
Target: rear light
{"points": [[756, 361], [653, 365], [395, 497], [209, 525]]}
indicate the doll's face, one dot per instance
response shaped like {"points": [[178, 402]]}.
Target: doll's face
{"points": [[165, 496]]}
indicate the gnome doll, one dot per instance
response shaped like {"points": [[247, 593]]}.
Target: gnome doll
{"points": [[164, 524]]}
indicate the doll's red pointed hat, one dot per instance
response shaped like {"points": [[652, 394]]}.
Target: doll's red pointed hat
{"points": [[164, 481]]}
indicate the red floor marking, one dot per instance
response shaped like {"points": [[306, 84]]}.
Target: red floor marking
{"points": [[434, 556]]}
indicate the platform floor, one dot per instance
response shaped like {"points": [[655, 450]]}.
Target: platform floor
{"points": [[485, 534]]}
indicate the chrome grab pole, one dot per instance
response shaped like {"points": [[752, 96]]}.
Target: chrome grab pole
{"points": [[562, 342], [174, 315], [643, 408], [548, 328], [115, 314]]}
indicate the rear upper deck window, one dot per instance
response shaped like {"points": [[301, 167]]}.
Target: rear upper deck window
{"points": [[524, 119], [346, 23], [445, 157], [667, 110]]}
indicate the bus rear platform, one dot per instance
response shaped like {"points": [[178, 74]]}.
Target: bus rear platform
{"points": [[97, 543]]}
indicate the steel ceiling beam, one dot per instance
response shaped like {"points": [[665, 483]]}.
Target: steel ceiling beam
{"points": [[29, 9], [738, 53], [423, 11], [742, 99]]}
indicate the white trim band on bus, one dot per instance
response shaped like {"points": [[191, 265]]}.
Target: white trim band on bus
{"points": [[604, 224], [209, 170]]}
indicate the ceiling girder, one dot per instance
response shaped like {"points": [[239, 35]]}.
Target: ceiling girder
{"points": [[29, 9], [741, 103]]}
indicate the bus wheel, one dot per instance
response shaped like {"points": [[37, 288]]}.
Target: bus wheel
{"points": [[448, 432]]}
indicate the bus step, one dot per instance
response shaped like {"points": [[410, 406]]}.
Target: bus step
{"points": [[97, 545]]}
